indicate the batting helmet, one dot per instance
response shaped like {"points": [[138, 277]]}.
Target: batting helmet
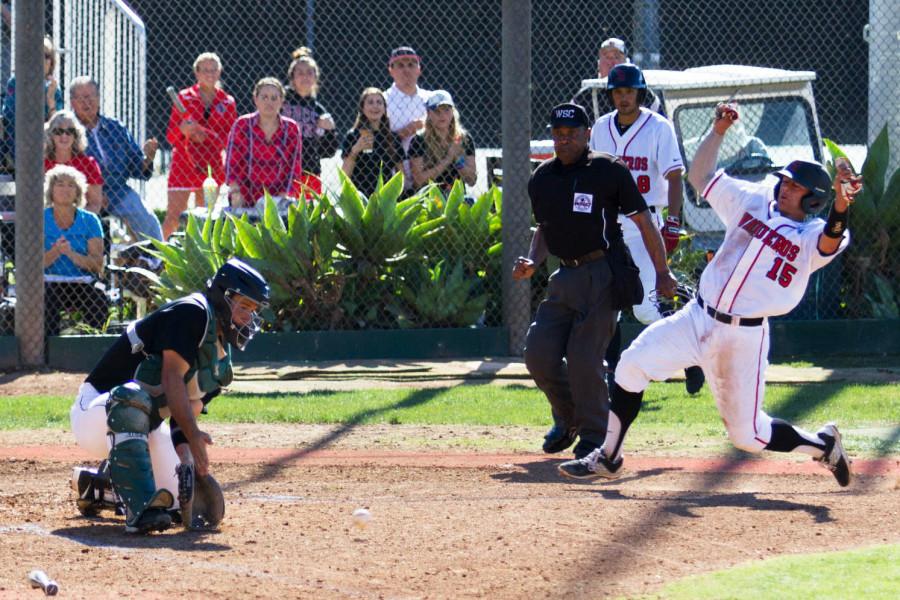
{"points": [[813, 177], [668, 306], [626, 76], [237, 277]]}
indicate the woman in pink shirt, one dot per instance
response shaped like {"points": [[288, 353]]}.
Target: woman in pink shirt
{"points": [[64, 144], [264, 150]]}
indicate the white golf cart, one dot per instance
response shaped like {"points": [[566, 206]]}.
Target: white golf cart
{"points": [[778, 123]]}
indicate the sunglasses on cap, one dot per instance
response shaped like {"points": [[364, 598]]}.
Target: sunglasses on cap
{"points": [[64, 130]]}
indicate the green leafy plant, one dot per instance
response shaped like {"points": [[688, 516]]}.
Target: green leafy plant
{"points": [[440, 297], [297, 259], [470, 233], [374, 236], [872, 261], [191, 261]]}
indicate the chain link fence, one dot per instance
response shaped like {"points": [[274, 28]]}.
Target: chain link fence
{"points": [[356, 77]]}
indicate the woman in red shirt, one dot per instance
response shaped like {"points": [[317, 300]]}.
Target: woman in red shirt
{"points": [[64, 144], [264, 150], [198, 137]]}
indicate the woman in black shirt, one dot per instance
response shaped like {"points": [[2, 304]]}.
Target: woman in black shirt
{"points": [[316, 124], [371, 148], [444, 151]]}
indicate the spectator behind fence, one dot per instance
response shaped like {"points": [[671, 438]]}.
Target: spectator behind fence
{"points": [[73, 251], [405, 99], [264, 150], [198, 137], [371, 149], [444, 152], [64, 144], [316, 124], [53, 100], [119, 156], [612, 53]]}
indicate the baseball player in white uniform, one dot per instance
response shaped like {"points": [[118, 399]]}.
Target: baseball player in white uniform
{"points": [[761, 270], [646, 142]]}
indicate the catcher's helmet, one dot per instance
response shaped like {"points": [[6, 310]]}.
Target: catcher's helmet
{"points": [[668, 306], [626, 76], [813, 177], [237, 277]]}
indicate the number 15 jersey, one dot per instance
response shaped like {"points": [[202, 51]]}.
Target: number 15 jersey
{"points": [[764, 263]]}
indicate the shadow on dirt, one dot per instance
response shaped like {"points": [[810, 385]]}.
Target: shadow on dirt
{"points": [[271, 469], [684, 505], [545, 471], [110, 533]]}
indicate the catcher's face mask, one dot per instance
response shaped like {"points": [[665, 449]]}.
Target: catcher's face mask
{"points": [[245, 320]]}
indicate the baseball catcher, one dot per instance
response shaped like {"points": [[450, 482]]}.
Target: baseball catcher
{"points": [[168, 365]]}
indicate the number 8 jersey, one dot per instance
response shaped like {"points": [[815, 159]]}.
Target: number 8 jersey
{"points": [[764, 263], [648, 148]]}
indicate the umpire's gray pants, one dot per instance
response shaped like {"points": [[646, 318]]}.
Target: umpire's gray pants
{"points": [[575, 322]]}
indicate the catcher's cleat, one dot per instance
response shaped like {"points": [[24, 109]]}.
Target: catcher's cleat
{"points": [[693, 379], [593, 466], [558, 439], [835, 458], [152, 519], [94, 491]]}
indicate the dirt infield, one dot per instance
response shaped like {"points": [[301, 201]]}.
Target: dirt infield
{"points": [[444, 525]]}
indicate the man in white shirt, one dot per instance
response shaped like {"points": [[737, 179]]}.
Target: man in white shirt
{"points": [[405, 99]]}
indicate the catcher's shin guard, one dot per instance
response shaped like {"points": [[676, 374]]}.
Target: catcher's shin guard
{"points": [[128, 421]]}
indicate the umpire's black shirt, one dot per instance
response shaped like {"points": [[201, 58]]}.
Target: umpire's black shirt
{"points": [[577, 205]]}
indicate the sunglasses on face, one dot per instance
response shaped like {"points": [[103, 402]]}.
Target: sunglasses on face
{"points": [[64, 131]]}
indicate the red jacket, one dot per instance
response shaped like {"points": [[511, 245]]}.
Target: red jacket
{"points": [[189, 158], [254, 164]]}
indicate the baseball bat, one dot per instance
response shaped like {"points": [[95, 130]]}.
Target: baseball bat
{"points": [[40, 579], [176, 101]]}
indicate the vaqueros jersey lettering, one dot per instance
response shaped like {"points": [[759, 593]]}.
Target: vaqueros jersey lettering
{"points": [[648, 148], [764, 264]]}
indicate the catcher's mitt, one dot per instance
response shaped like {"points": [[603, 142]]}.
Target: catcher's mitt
{"points": [[200, 499]]}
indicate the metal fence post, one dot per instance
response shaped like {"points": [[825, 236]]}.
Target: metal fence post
{"points": [[30, 102], [516, 130], [883, 35]]}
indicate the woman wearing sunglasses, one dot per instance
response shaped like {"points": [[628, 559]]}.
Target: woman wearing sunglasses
{"points": [[64, 144]]}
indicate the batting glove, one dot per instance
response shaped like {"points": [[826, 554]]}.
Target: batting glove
{"points": [[671, 233]]}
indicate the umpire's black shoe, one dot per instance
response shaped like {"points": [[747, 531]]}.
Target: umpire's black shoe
{"points": [[835, 458], [693, 379], [584, 447], [559, 438], [593, 466]]}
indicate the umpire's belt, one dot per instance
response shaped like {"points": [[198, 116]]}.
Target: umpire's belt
{"points": [[728, 319], [583, 259]]}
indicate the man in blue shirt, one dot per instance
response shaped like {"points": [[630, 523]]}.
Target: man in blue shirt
{"points": [[119, 156]]}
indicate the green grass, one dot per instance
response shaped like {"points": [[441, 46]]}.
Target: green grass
{"points": [[670, 419], [871, 573]]}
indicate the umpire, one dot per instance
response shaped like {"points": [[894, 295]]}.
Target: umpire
{"points": [[575, 198]]}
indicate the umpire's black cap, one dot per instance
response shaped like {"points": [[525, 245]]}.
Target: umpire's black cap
{"points": [[569, 115]]}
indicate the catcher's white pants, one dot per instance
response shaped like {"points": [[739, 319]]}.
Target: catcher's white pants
{"points": [[88, 418], [645, 312], [733, 358]]}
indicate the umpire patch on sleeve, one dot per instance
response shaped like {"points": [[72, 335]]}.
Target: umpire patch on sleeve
{"points": [[582, 203]]}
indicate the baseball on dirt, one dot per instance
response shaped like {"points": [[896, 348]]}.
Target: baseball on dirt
{"points": [[361, 517]]}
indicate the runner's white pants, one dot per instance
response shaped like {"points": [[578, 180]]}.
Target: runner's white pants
{"points": [[733, 358]]}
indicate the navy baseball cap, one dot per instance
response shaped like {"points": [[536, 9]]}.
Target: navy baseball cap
{"points": [[403, 52], [569, 115]]}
